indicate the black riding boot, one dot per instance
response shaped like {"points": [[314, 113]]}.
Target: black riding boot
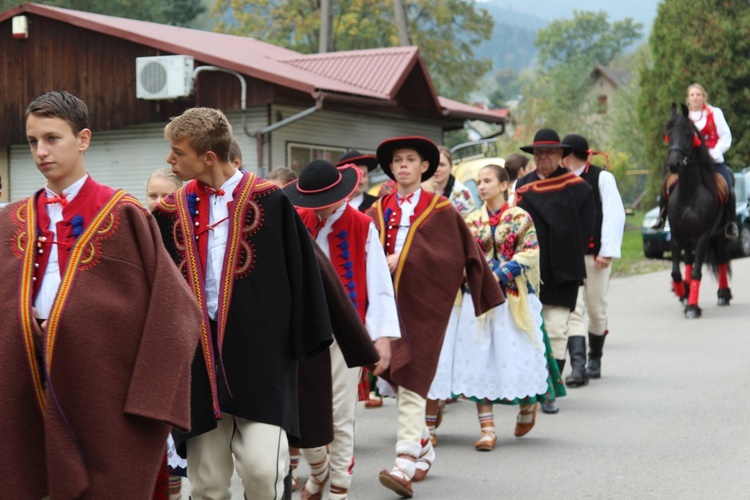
{"points": [[552, 407], [659, 224], [577, 349], [596, 344], [731, 230]]}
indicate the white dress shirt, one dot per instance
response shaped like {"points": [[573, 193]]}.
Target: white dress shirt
{"points": [[51, 280], [217, 242], [381, 318]]}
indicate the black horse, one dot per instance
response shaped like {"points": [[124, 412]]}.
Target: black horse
{"points": [[696, 213]]}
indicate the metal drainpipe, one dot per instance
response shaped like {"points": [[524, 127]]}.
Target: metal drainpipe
{"points": [[260, 134], [243, 89]]}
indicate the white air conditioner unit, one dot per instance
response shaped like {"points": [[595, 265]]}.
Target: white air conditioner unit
{"points": [[163, 77]]}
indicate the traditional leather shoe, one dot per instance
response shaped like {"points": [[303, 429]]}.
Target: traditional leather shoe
{"points": [[486, 442], [523, 428], [374, 401], [397, 481], [425, 460], [550, 408]]}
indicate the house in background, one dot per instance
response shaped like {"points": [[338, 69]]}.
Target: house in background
{"points": [[605, 82], [286, 108]]}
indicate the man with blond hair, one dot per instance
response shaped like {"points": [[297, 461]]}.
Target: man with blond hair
{"points": [[250, 263]]}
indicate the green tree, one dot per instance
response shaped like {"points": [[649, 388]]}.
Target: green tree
{"points": [[589, 36], [176, 12], [713, 49], [445, 31], [558, 94]]}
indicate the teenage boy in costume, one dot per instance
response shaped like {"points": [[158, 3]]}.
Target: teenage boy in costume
{"points": [[249, 261], [349, 239], [95, 368], [429, 250]]}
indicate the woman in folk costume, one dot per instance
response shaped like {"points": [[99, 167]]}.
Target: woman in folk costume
{"points": [[713, 127], [503, 356]]}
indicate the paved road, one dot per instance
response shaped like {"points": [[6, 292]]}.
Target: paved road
{"points": [[669, 419]]}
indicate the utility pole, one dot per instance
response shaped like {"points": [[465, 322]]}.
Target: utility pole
{"points": [[326, 27], [402, 22]]}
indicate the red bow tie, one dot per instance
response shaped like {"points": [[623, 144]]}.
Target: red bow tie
{"points": [[404, 199], [217, 192], [62, 199]]}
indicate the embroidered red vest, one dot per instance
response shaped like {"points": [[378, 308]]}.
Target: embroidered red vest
{"points": [[200, 208], [347, 245], [709, 133], [77, 215], [392, 216]]}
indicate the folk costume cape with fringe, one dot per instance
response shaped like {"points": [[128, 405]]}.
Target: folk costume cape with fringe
{"points": [[272, 310], [563, 210], [438, 251], [86, 407]]}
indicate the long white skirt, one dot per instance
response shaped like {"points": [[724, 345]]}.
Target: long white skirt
{"points": [[489, 357]]}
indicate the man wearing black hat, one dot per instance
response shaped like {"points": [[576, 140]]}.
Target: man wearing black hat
{"points": [[604, 246], [429, 247], [360, 198], [351, 242], [562, 208]]}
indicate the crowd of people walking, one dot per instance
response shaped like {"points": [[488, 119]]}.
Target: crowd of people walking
{"points": [[237, 321]]}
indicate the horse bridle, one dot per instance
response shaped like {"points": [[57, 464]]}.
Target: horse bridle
{"points": [[685, 154]]}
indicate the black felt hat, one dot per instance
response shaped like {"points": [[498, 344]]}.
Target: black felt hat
{"points": [[544, 139], [321, 185], [427, 149], [354, 156], [577, 143]]}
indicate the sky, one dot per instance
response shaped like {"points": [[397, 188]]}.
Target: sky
{"points": [[642, 11]]}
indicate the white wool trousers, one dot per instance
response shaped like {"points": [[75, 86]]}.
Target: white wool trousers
{"points": [[259, 452], [345, 393], [590, 314], [556, 321]]}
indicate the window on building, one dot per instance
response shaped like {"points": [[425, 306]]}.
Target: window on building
{"points": [[602, 104], [298, 155]]}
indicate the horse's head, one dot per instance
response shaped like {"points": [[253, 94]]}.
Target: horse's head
{"points": [[682, 137]]}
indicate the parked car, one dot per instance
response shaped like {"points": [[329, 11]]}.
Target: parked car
{"points": [[657, 242]]}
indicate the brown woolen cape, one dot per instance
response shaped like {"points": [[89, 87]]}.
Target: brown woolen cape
{"points": [[438, 251], [315, 384], [120, 371]]}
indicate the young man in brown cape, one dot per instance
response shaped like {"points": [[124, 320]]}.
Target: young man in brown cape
{"points": [[430, 251], [98, 329], [250, 263]]}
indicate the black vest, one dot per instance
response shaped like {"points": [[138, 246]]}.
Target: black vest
{"points": [[591, 175]]}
